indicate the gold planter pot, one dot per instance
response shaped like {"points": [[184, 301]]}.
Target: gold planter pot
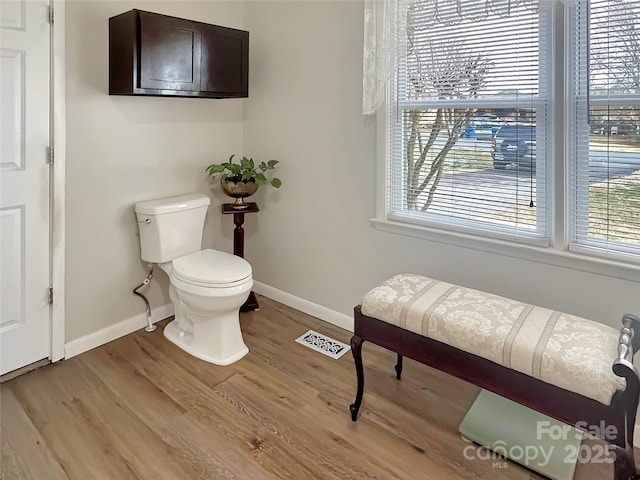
{"points": [[239, 191]]}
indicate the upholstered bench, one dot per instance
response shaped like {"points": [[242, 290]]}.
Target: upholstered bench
{"points": [[569, 368]]}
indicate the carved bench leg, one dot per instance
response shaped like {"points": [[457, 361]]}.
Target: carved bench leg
{"points": [[356, 350], [398, 367], [624, 464]]}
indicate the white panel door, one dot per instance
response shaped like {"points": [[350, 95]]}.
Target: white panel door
{"points": [[24, 183]]}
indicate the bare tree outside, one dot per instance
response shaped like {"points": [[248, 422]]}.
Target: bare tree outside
{"points": [[617, 70], [446, 71], [622, 65]]}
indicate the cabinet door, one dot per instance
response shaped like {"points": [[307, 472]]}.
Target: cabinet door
{"points": [[224, 67], [169, 53]]}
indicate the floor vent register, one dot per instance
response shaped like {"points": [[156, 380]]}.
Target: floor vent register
{"points": [[323, 344]]}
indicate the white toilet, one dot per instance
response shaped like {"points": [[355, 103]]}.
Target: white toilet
{"points": [[208, 287]]}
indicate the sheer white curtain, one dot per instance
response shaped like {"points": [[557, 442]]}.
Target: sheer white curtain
{"points": [[384, 24]]}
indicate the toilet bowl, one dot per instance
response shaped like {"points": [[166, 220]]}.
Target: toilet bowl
{"points": [[207, 287], [207, 290]]}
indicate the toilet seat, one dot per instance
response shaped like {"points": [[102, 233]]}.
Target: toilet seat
{"points": [[212, 269]]}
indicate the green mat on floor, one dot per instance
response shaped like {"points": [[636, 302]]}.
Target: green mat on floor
{"points": [[536, 441]]}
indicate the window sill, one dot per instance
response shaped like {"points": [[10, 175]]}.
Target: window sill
{"points": [[549, 256]]}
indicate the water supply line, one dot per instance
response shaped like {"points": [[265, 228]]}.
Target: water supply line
{"points": [[150, 326]]}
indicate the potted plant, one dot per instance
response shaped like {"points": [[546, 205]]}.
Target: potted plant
{"points": [[240, 180]]}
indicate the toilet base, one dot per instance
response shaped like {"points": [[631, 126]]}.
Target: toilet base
{"points": [[234, 348]]}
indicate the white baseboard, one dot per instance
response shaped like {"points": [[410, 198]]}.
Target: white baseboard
{"points": [[323, 313], [129, 325], [112, 332]]}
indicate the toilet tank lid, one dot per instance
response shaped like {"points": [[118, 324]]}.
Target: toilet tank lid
{"points": [[173, 204]]}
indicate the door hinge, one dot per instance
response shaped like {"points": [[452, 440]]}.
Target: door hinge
{"points": [[50, 155], [50, 295], [51, 14]]}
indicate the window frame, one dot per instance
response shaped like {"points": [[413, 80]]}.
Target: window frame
{"points": [[557, 253]]}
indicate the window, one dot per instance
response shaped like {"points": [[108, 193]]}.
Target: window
{"points": [[470, 122], [605, 138]]}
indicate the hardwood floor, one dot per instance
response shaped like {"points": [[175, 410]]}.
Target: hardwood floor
{"points": [[141, 408]]}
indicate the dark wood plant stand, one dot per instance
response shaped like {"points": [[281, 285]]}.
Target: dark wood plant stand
{"points": [[238, 243]]}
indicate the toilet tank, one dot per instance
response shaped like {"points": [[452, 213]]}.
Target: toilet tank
{"points": [[171, 227]]}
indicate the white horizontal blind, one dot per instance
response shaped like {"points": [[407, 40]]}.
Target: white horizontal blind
{"points": [[463, 76], [605, 133]]}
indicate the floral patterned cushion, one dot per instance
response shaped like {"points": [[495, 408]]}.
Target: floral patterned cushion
{"points": [[564, 350]]}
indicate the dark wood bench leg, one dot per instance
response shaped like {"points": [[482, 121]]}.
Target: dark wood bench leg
{"points": [[624, 464], [398, 367], [356, 350]]}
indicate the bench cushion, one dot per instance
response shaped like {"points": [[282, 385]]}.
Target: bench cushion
{"points": [[564, 350]]}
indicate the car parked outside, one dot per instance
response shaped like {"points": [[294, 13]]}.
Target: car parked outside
{"points": [[483, 128], [514, 144]]}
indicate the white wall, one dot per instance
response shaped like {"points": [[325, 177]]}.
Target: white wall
{"points": [[122, 150], [313, 238]]}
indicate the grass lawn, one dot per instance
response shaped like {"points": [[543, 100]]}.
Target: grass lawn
{"points": [[615, 210]]}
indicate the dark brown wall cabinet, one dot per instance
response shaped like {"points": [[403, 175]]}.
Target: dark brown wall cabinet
{"points": [[152, 54]]}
